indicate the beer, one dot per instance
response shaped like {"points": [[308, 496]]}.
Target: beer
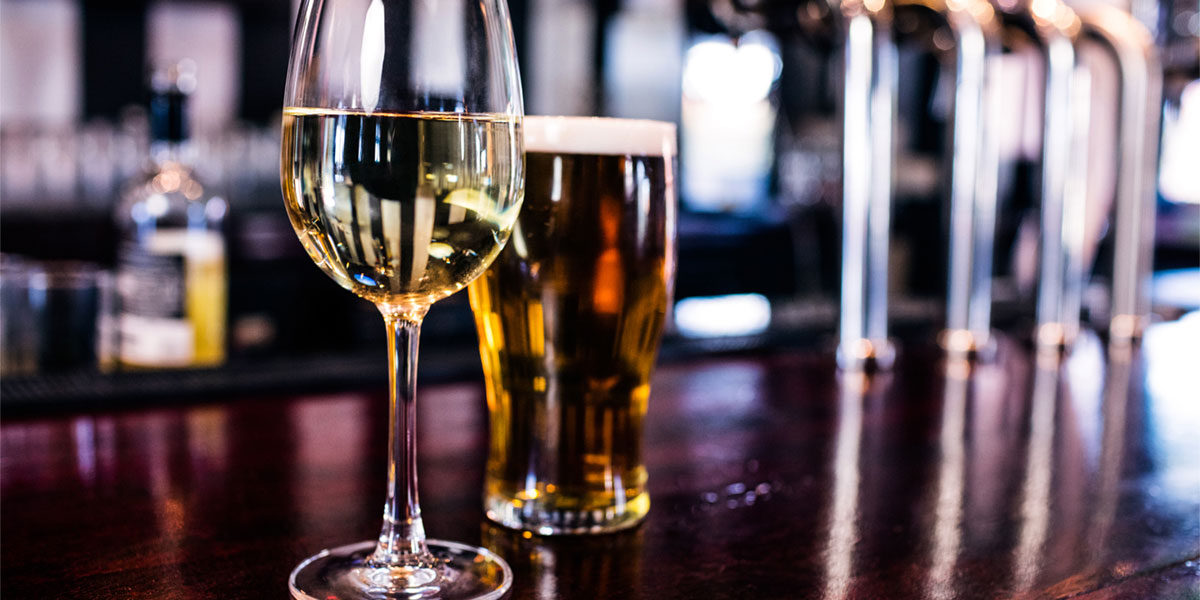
{"points": [[400, 209], [569, 320]]}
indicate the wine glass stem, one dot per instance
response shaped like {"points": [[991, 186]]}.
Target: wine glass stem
{"points": [[402, 541]]}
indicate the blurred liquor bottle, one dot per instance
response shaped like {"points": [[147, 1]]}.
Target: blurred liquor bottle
{"points": [[171, 267]]}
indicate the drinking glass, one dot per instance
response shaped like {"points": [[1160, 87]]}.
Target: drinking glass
{"points": [[402, 172], [569, 321]]}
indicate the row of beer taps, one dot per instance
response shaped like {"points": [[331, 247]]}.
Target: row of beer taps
{"points": [[982, 32]]}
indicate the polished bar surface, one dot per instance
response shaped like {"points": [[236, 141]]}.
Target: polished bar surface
{"points": [[771, 476]]}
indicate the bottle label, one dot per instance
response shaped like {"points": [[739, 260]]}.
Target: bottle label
{"points": [[150, 341], [152, 279]]}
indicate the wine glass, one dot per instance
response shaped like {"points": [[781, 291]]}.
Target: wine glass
{"points": [[402, 171]]}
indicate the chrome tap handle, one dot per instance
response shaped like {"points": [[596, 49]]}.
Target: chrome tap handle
{"points": [[1052, 28], [1140, 74], [1056, 327], [868, 120], [870, 91], [974, 172]]}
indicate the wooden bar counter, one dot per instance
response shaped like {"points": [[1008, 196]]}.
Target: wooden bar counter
{"points": [[771, 476]]}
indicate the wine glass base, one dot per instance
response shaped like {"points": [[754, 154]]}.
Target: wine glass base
{"points": [[459, 572]]}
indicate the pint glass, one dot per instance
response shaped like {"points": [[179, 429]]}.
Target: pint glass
{"points": [[569, 320]]}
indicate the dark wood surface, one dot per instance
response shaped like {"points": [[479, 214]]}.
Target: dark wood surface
{"points": [[771, 477]]}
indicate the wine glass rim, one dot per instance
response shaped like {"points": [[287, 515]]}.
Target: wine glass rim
{"points": [[297, 109]]}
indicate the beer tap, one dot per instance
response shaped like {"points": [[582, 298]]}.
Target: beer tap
{"points": [[1052, 28], [861, 31], [974, 167], [1140, 86], [867, 174], [864, 30]]}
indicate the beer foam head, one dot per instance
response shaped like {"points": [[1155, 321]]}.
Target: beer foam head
{"points": [[597, 135]]}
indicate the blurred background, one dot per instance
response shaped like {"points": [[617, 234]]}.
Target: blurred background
{"points": [[757, 104]]}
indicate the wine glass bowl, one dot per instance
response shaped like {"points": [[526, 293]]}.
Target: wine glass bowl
{"points": [[402, 174], [401, 209]]}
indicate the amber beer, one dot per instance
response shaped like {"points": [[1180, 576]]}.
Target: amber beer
{"points": [[569, 320]]}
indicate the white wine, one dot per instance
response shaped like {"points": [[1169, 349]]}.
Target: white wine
{"points": [[401, 209]]}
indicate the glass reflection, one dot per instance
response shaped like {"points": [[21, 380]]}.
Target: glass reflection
{"points": [[207, 440], [1122, 362], [1052, 505], [948, 507], [330, 436], [1035, 488], [83, 433], [855, 391], [605, 566]]}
